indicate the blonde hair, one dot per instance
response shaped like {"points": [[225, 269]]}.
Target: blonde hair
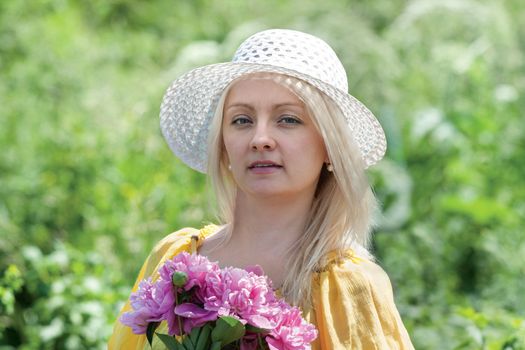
{"points": [[343, 207]]}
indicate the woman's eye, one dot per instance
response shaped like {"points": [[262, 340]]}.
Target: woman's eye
{"points": [[241, 120], [287, 119]]}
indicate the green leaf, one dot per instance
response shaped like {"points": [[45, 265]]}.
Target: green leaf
{"points": [[216, 346], [188, 344], [194, 335], [203, 341], [150, 330], [257, 330], [170, 342], [227, 329]]}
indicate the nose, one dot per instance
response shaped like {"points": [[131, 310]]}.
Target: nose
{"points": [[262, 139]]}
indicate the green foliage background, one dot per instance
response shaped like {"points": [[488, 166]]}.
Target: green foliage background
{"points": [[87, 184]]}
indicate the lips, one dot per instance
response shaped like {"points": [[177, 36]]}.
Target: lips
{"points": [[264, 164]]}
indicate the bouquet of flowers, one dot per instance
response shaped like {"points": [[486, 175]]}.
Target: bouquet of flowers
{"points": [[206, 307]]}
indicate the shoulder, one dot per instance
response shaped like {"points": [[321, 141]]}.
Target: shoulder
{"points": [[182, 237], [357, 274], [178, 237], [174, 243], [369, 272]]}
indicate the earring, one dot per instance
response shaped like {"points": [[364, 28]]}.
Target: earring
{"points": [[329, 167], [229, 167]]}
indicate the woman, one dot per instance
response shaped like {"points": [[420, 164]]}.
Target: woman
{"points": [[286, 148]]}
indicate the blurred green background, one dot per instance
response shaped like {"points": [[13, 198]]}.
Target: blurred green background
{"points": [[88, 185]]}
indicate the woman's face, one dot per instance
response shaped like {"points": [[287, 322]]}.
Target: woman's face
{"points": [[271, 142]]}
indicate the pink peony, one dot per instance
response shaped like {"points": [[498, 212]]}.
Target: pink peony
{"points": [[195, 266], [236, 292], [194, 316], [292, 331], [211, 292], [151, 303]]}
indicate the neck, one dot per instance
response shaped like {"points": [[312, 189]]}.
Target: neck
{"points": [[269, 224]]}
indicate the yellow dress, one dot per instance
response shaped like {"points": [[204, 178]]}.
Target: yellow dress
{"points": [[353, 304]]}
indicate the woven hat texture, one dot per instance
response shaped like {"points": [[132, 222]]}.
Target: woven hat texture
{"points": [[190, 102]]}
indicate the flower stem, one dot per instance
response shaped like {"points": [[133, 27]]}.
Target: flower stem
{"points": [[178, 317], [260, 341]]}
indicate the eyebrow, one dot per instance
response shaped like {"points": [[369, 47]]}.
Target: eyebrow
{"points": [[275, 106]]}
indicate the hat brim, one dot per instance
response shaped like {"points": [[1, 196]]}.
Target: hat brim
{"points": [[189, 105]]}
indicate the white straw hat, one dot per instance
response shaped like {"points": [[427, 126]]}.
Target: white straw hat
{"points": [[190, 102]]}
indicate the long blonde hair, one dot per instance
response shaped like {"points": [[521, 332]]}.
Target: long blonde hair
{"points": [[343, 207]]}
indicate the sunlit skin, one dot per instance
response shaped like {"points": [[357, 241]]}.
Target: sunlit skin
{"points": [[271, 142]]}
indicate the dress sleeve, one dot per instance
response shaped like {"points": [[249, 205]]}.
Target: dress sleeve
{"points": [[353, 308], [123, 337]]}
